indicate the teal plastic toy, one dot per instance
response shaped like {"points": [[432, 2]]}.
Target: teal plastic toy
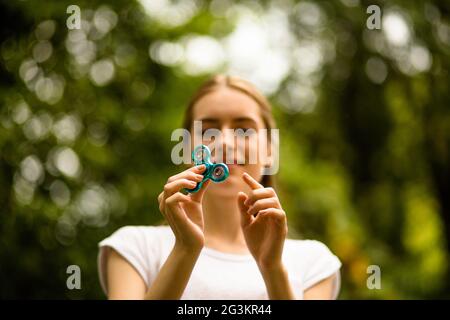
{"points": [[217, 172]]}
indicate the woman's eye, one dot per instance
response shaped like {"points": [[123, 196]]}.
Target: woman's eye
{"points": [[206, 129], [247, 131]]}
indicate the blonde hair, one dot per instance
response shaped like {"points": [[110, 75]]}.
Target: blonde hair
{"points": [[241, 85]]}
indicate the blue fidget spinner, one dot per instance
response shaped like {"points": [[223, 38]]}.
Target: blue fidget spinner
{"points": [[217, 172]]}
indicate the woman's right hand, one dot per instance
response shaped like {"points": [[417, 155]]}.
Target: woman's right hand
{"points": [[184, 212]]}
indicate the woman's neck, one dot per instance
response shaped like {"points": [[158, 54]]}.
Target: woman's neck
{"points": [[223, 226]]}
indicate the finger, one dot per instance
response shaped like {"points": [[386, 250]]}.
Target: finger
{"points": [[175, 186], [161, 202], [175, 212], [252, 183], [160, 197], [263, 204], [176, 198], [162, 208], [246, 219], [276, 214], [260, 194], [198, 196], [193, 173]]}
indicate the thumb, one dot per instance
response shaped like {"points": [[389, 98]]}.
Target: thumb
{"points": [[198, 196], [245, 217]]}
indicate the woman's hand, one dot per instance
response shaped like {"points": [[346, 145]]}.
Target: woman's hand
{"points": [[264, 224], [184, 212]]}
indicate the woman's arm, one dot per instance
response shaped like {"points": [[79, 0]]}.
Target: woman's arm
{"points": [[185, 217], [279, 287], [124, 282], [264, 225], [173, 276], [322, 290], [277, 284], [122, 279]]}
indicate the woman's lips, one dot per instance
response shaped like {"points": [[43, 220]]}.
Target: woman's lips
{"points": [[233, 167]]}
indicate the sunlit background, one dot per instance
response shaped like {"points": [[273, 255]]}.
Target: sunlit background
{"points": [[364, 118]]}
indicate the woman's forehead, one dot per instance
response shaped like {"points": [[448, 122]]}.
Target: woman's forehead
{"points": [[227, 104]]}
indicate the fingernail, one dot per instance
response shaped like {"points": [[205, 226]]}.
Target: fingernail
{"points": [[192, 183]]}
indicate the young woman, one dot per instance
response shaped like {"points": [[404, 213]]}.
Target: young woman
{"points": [[228, 240]]}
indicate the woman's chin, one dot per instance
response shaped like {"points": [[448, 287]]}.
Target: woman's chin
{"points": [[227, 188]]}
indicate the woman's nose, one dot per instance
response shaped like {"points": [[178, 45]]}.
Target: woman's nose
{"points": [[228, 138], [226, 145]]}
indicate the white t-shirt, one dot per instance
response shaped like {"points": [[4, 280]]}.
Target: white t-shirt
{"points": [[216, 274]]}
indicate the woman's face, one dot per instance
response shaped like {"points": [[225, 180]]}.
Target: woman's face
{"points": [[224, 109]]}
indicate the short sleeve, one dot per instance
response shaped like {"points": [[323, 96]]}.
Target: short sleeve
{"points": [[132, 243], [321, 264]]}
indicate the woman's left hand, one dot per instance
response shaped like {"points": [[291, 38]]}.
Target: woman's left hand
{"points": [[264, 224]]}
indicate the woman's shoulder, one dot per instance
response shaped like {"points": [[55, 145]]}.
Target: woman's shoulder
{"points": [[312, 256], [308, 246], [309, 250], [144, 247], [142, 241], [140, 232], [312, 259]]}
